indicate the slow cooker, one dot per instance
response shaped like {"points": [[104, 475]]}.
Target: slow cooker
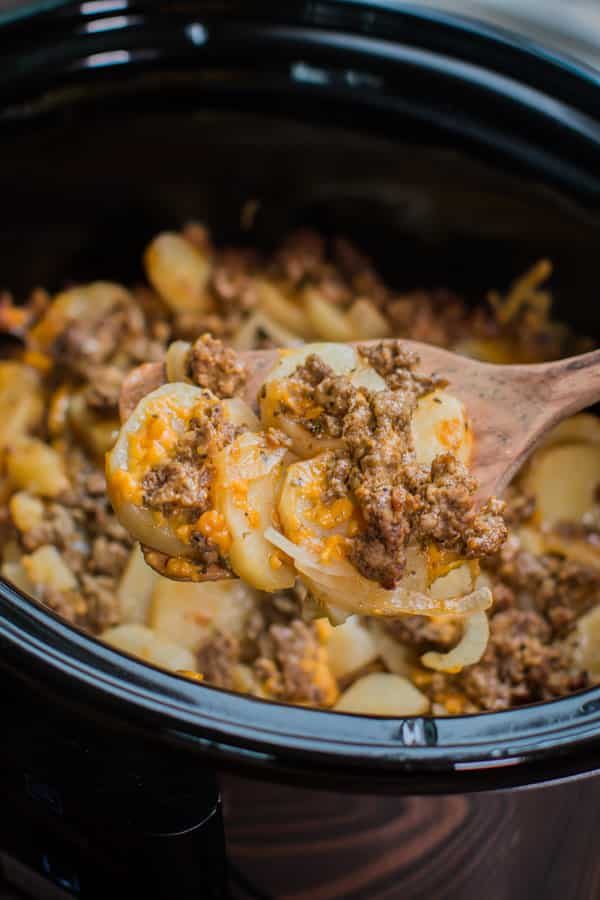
{"points": [[455, 154]]}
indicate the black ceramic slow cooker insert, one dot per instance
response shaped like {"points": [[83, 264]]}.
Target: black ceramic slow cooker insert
{"points": [[442, 147]]}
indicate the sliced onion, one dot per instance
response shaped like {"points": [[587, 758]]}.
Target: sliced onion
{"points": [[175, 361], [339, 583], [469, 649]]}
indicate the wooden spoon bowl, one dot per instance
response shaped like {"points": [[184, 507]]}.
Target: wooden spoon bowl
{"points": [[510, 407]]}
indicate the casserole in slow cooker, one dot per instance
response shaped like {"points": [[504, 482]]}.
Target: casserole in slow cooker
{"points": [[63, 544]]}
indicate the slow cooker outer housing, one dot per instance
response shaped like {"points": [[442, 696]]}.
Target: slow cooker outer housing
{"points": [[501, 119]]}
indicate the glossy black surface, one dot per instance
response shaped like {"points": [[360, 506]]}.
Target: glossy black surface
{"points": [[455, 157]]}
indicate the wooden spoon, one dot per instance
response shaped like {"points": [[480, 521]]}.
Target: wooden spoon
{"points": [[510, 407]]}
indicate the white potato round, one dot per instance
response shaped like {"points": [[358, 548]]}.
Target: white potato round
{"points": [[440, 425], [189, 612], [179, 272], [171, 404], [383, 694], [36, 467], [564, 479], [286, 311], [350, 647], [135, 588], [398, 658], [91, 302], [343, 360], [21, 400], [143, 642], [305, 519], [582, 428], [328, 321], [248, 479], [585, 642]]}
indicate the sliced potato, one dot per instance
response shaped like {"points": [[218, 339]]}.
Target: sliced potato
{"points": [[135, 588], [258, 328], [27, 511], [305, 519], [84, 302], [563, 479], [21, 400], [96, 433], [343, 360], [248, 476], [179, 272], [153, 648], [586, 642], [397, 657], [328, 322], [46, 568], [583, 428], [189, 613], [383, 694], [14, 572], [350, 647], [440, 425], [140, 446], [149, 438], [285, 311], [36, 467], [367, 322]]}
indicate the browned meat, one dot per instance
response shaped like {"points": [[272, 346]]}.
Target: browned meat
{"points": [[212, 365], [559, 588], [520, 664], [296, 669], [217, 659], [102, 393], [99, 592], [301, 255], [395, 364], [182, 483], [108, 557]]}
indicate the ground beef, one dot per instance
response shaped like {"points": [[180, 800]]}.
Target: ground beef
{"points": [[301, 255], [99, 592], [182, 483], [212, 365], [185, 481], [396, 365], [217, 659], [70, 605], [102, 393], [447, 514], [561, 589], [108, 557], [296, 669], [58, 528], [424, 633], [396, 497], [232, 281], [520, 664]]}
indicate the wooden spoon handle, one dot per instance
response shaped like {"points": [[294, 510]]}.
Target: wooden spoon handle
{"points": [[575, 382]]}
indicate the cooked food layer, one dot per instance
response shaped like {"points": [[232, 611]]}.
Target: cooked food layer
{"points": [[340, 442]]}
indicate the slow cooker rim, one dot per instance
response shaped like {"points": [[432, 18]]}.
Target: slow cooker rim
{"points": [[34, 637], [37, 642]]}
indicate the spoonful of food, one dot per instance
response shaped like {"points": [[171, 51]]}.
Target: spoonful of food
{"points": [[372, 462]]}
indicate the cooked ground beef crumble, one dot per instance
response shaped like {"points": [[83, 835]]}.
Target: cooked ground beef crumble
{"points": [[539, 597]]}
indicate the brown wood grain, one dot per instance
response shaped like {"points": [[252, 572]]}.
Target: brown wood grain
{"points": [[295, 844]]}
